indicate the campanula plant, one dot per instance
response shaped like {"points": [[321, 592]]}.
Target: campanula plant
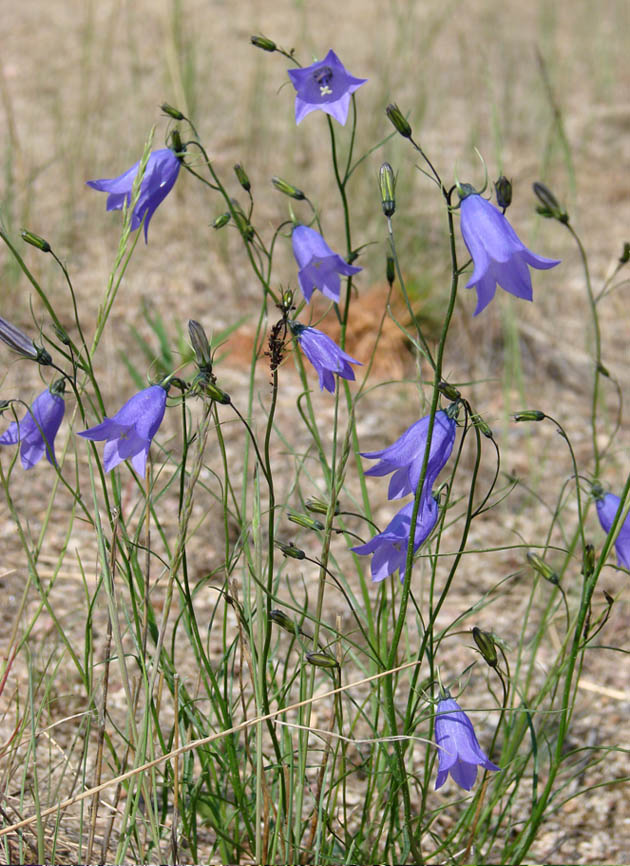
{"points": [[128, 434], [498, 254], [158, 180], [324, 86], [36, 432]]}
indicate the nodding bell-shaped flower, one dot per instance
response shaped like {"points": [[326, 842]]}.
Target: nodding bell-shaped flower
{"points": [[129, 433], [498, 254], [607, 505], [319, 267], [324, 354], [459, 752], [404, 458], [324, 86], [389, 547], [159, 177], [37, 430]]}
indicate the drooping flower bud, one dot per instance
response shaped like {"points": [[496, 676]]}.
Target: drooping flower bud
{"points": [[280, 618], [305, 521], [23, 345], [503, 190], [624, 258], [482, 425], [387, 183], [35, 240], [289, 549], [398, 120], [263, 42], [529, 415], [390, 270], [241, 176], [449, 391], [200, 344], [321, 660], [544, 570], [222, 220], [176, 144], [486, 645], [171, 111], [217, 394], [61, 334], [549, 205], [288, 188]]}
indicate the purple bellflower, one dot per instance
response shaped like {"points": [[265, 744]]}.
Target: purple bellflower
{"points": [[498, 254], [404, 458], [160, 174], [129, 433], [324, 86], [320, 267], [607, 505], [390, 546], [37, 430], [325, 355], [459, 752]]}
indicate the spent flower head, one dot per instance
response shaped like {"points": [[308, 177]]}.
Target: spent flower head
{"points": [[324, 354], [498, 254], [129, 432], [389, 547], [37, 430], [319, 267], [459, 752], [160, 174], [324, 86]]}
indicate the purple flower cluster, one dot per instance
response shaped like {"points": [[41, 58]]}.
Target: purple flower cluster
{"points": [[404, 459]]}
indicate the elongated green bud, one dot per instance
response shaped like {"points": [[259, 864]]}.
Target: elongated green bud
{"points": [[288, 188], [289, 549], [241, 176], [624, 258], [201, 345], [222, 220], [398, 120], [549, 206], [176, 144], [321, 660], [171, 111], [449, 391], [35, 240], [318, 506], [22, 344], [263, 42], [215, 393], [529, 415], [544, 570], [486, 646], [482, 426], [280, 618], [387, 183], [62, 335], [305, 521]]}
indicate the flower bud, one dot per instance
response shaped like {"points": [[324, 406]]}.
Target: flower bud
{"points": [[398, 120], [288, 188], [387, 183], [35, 240], [289, 549], [171, 111], [200, 344], [23, 345], [286, 301], [550, 207], [280, 618], [449, 391], [544, 570], [305, 521], [318, 506], [503, 191], [390, 270], [61, 334], [243, 224], [241, 176], [482, 426], [529, 415], [263, 42], [588, 560], [486, 646], [321, 660], [215, 393], [222, 220], [624, 258]]}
